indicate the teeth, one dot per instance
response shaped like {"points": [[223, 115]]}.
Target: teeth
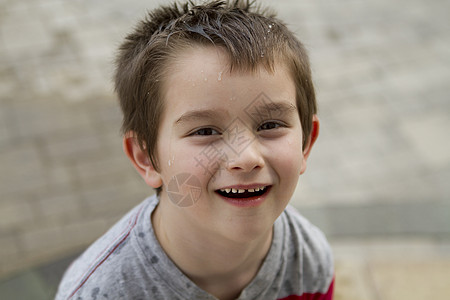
{"points": [[240, 191]]}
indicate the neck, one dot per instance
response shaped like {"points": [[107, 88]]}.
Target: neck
{"points": [[219, 266]]}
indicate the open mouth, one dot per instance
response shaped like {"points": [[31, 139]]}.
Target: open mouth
{"points": [[243, 193]]}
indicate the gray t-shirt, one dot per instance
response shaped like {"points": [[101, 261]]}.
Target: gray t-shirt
{"points": [[128, 263]]}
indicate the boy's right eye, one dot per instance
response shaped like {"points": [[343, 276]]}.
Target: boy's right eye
{"points": [[204, 131]]}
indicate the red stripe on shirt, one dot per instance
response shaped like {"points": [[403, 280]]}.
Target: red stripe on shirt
{"points": [[313, 296]]}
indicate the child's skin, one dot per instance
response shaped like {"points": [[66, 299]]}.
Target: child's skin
{"points": [[217, 240]]}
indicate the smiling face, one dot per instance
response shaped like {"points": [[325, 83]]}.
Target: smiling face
{"points": [[238, 138]]}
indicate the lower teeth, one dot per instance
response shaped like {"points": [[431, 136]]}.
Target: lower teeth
{"points": [[242, 195]]}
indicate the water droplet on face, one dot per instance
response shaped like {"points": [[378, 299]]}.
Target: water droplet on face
{"points": [[220, 76], [171, 161], [206, 79]]}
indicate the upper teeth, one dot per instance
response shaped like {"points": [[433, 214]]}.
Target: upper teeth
{"points": [[240, 191]]}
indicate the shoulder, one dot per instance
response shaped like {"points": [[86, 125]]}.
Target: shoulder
{"points": [[315, 256], [101, 268]]}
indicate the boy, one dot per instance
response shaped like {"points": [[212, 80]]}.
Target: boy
{"points": [[219, 117]]}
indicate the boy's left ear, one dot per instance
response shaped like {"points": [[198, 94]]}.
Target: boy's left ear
{"points": [[310, 142]]}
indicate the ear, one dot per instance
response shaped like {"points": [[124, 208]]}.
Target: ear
{"points": [[310, 142], [140, 160]]}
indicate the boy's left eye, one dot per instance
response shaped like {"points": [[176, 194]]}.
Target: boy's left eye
{"points": [[269, 125]]}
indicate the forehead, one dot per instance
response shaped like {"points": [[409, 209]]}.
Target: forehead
{"points": [[200, 77], [192, 62]]}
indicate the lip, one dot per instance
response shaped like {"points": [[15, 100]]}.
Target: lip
{"points": [[249, 201]]}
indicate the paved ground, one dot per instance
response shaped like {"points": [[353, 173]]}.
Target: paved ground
{"points": [[392, 269], [381, 166]]}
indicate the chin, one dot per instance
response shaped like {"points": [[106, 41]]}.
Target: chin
{"points": [[248, 230]]}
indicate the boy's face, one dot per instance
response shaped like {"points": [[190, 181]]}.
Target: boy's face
{"points": [[228, 131]]}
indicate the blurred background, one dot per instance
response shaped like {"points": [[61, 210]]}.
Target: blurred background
{"points": [[377, 181]]}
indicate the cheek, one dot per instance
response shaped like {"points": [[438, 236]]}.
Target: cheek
{"points": [[287, 163], [288, 156], [185, 158]]}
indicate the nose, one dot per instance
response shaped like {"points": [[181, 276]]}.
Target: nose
{"points": [[247, 160]]}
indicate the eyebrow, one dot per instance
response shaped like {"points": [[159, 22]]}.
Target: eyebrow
{"points": [[271, 109], [280, 106], [200, 114]]}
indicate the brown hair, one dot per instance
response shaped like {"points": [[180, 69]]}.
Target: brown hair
{"points": [[251, 36]]}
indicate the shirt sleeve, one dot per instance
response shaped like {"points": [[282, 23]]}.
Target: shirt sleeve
{"points": [[328, 295], [314, 296]]}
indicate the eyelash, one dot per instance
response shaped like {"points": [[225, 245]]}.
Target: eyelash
{"points": [[277, 125], [212, 131], [197, 132]]}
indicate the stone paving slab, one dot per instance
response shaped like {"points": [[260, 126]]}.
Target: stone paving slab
{"points": [[27, 285], [398, 268], [419, 279], [37, 283], [429, 219]]}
